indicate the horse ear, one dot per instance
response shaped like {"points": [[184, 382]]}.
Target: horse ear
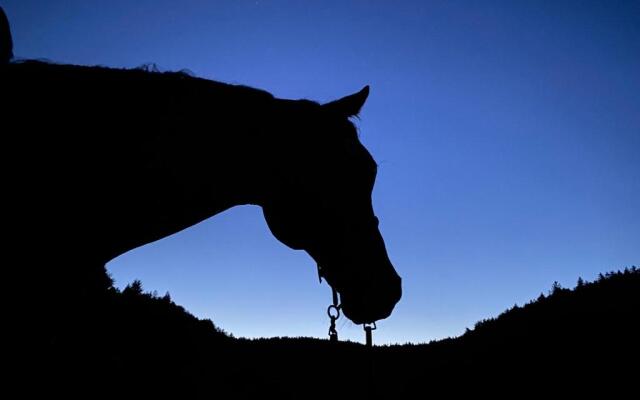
{"points": [[349, 106]]}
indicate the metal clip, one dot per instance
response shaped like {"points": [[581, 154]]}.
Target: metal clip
{"points": [[368, 328], [333, 333]]}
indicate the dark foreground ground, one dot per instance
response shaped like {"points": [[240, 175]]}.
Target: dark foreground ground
{"points": [[106, 343]]}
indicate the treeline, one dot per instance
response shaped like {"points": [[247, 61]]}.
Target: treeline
{"points": [[572, 339], [143, 344]]}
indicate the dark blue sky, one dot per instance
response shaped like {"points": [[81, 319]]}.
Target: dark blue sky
{"points": [[507, 134]]}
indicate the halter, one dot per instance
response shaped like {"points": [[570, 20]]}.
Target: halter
{"points": [[333, 311]]}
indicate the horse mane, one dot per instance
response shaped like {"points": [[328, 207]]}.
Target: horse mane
{"points": [[148, 70], [195, 93]]}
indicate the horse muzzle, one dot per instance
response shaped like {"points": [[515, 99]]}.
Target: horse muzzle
{"points": [[374, 305]]}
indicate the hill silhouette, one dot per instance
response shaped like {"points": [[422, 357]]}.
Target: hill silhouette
{"points": [[571, 340]]}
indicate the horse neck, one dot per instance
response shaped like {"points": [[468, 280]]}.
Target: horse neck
{"points": [[205, 155], [235, 164], [251, 151]]}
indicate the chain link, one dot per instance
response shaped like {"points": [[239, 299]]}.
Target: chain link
{"points": [[333, 311]]}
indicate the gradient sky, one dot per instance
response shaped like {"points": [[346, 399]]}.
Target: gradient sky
{"points": [[507, 136]]}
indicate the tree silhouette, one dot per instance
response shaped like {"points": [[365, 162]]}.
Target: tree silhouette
{"points": [[134, 288]]}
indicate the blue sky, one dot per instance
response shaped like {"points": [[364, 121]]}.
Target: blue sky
{"points": [[507, 136]]}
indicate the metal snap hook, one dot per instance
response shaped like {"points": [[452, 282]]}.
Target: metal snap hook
{"points": [[368, 328]]}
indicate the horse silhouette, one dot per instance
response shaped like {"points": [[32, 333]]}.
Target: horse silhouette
{"points": [[104, 160]]}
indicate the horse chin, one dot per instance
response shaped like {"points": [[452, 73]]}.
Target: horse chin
{"points": [[360, 313], [363, 316]]}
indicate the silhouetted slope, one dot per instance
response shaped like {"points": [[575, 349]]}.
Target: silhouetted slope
{"points": [[574, 340], [127, 340], [139, 343], [581, 318]]}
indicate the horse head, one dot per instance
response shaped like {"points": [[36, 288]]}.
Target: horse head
{"points": [[319, 200]]}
